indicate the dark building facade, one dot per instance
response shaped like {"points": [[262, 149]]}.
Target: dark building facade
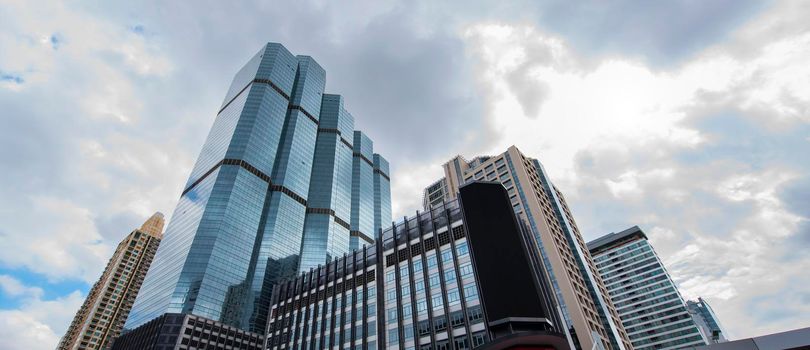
{"points": [[459, 276], [182, 331]]}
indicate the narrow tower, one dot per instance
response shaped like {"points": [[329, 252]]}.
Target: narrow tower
{"points": [[101, 317]]}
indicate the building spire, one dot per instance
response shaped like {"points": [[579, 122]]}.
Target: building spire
{"points": [[154, 225]]}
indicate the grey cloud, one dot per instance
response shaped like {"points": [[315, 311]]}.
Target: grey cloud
{"points": [[663, 33]]}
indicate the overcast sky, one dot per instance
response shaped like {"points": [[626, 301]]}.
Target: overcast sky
{"points": [[690, 119]]}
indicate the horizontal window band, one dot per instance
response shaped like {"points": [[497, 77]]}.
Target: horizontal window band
{"points": [[362, 236], [274, 86], [260, 81], [336, 131], [253, 170], [299, 108], [346, 142], [289, 193], [378, 171], [358, 154], [331, 212]]}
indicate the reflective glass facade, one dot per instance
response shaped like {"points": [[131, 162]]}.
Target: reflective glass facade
{"points": [[270, 159], [362, 218], [326, 228], [706, 320], [382, 194], [647, 300], [417, 287]]}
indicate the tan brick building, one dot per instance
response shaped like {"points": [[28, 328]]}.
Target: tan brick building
{"points": [[102, 315], [591, 318]]}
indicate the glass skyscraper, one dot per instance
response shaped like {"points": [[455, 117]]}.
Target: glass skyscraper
{"points": [[647, 300], [270, 195]]}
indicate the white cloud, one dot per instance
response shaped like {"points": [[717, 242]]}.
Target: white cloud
{"points": [[66, 245], [633, 144], [37, 323], [14, 288]]}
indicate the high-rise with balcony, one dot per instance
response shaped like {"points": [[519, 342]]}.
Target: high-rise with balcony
{"points": [[270, 195], [101, 317], [589, 315], [647, 300]]}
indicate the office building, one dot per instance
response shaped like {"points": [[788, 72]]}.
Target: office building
{"points": [[462, 275], [586, 308], [101, 317], [172, 331], [797, 339], [706, 320], [647, 300], [272, 185]]}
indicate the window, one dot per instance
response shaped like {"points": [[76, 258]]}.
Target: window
{"points": [[437, 302], [431, 260], [391, 295], [470, 293], [450, 276], [371, 328], [421, 306], [417, 265], [408, 330], [390, 276], [461, 248], [452, 297], [474, 314], [439, 324], [457, 319], [434, 280], [447, 257], [406, 310], [465, 270], [424, 327], [479, 339], [462, 343], [419, 286], [392, 315], [393, 336]]}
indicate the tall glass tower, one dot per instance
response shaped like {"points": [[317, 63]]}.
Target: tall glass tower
{"points": [[268, 197]]}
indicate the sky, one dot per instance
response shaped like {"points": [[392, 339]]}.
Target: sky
{"points": [[690, 119]]}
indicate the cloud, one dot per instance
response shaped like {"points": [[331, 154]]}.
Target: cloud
{"points": [[14, 288], [37, 323], [691, 127], [707, 156]]}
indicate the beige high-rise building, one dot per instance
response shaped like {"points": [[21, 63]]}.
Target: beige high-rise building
{"points": [[590, 317], [102, 315]]}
